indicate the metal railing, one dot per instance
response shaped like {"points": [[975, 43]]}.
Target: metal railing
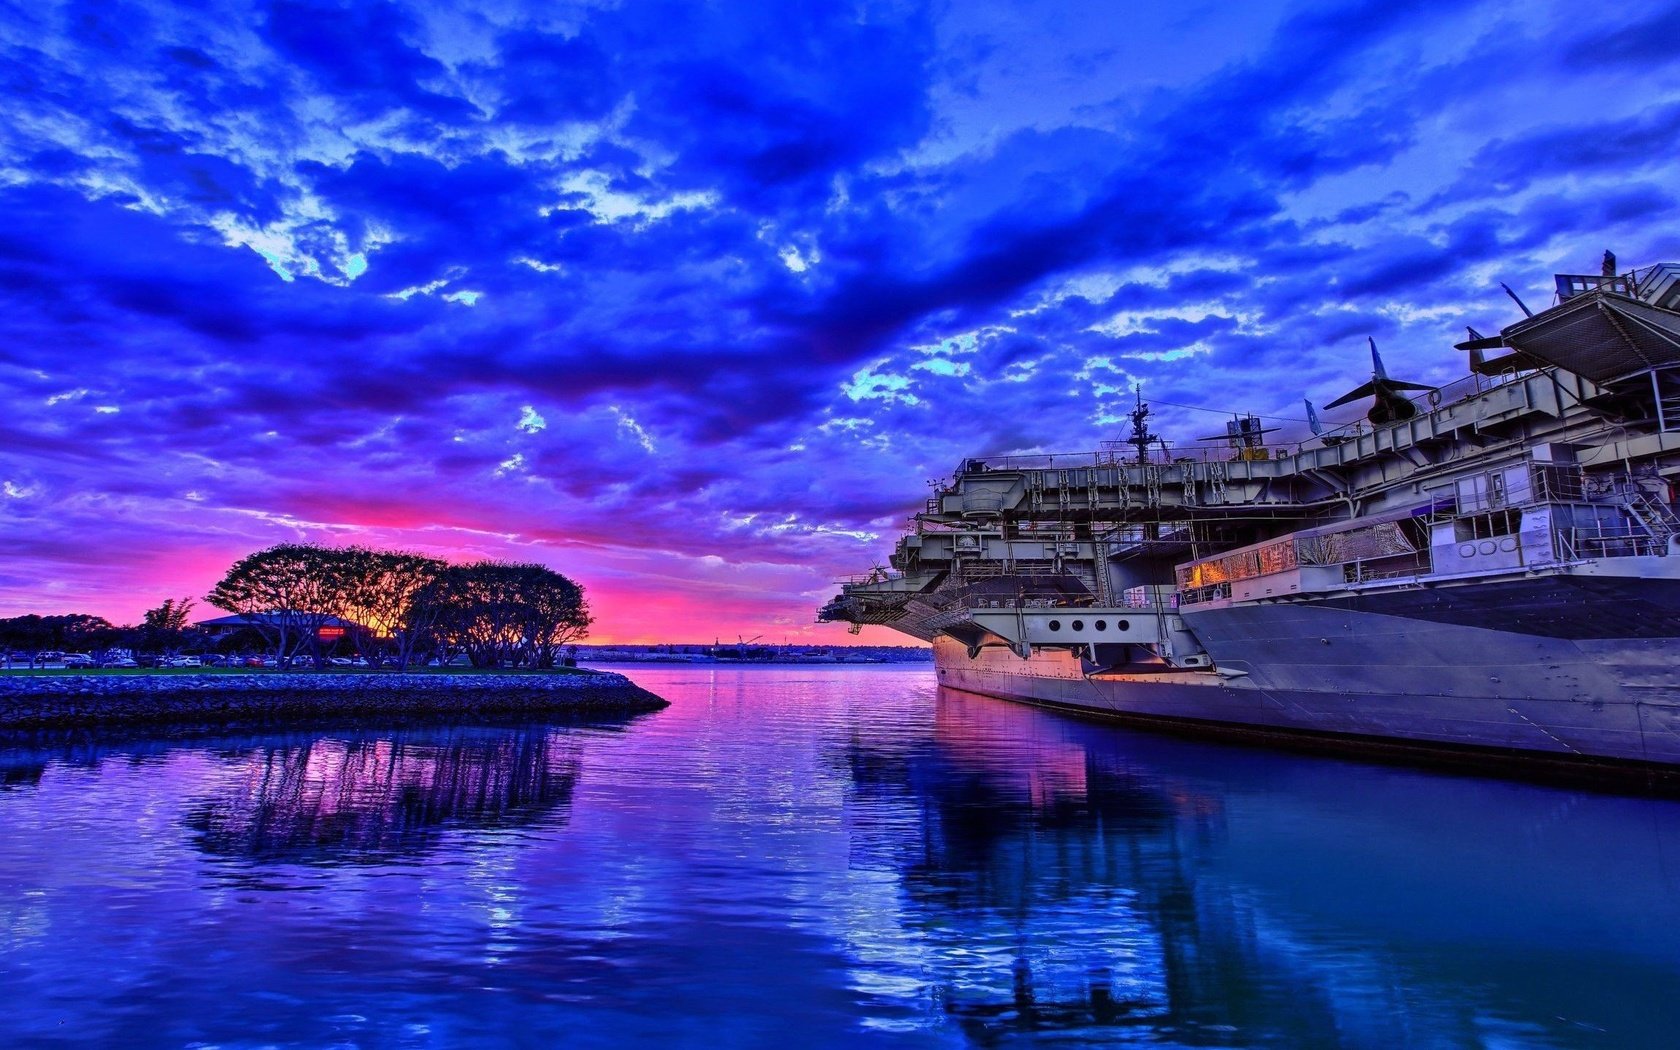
{"points": [[1198, 595], [1367, 572], [1041, 600], [1583, 544], [1162, 453], [873, 576], [1569, 285]]}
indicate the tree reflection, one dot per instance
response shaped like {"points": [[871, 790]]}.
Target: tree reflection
{"points": [[347, 798], [26, 774]]}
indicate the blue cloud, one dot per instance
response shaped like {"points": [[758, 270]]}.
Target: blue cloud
{"points": [[309, 261], [366, 56]]}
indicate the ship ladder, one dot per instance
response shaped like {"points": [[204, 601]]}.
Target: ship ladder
{"points": [[1657, 517], [1163, 648]]}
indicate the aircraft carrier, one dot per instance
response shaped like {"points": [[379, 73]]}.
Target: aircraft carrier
{"points": [[1485, 572]]}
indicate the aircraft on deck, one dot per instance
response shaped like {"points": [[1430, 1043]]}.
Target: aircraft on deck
{"points": [[1391, 404]]}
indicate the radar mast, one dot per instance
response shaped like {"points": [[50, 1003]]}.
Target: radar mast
{"points": [[1141, 438]]}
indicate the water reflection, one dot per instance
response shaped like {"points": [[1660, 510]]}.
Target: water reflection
{"points": [[27, 774], [365, 798], [794, 856], [1066, 880]]}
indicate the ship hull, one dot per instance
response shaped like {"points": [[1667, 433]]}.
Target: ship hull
{"points": [[1582, 708]]}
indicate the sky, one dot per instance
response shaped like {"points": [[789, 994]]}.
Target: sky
{"points": [[691, 301]]}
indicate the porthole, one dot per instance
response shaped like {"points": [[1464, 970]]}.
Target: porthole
{"points": [[1079, 625], [1124, 625], [1055, 625], [1102, 625]]}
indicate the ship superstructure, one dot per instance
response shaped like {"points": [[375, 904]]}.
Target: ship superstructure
{"points": [[1491, 565]]}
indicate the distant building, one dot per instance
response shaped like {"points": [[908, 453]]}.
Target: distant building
{"points": [[332, 628]]}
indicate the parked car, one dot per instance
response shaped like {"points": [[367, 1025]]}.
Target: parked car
{"points": [[121, 661], [78, 660]]}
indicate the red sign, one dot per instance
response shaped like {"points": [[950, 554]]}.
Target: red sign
{"points": [[330, 632]]}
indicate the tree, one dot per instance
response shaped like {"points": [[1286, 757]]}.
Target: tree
{"points": [[27, 635], [289, 592], [170, 616], [556, 614], [68, 632], [82, 632], [477, 612], [165, 629], [497, 612], [502, 613], [390, 596]]}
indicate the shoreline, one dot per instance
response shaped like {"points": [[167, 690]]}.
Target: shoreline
{"points": [[78, 701]]}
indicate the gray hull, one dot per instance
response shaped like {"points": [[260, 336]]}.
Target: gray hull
{"points": [[1370, 682]]}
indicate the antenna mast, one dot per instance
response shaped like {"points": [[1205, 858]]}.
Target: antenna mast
{"points": [[1141, 438]]}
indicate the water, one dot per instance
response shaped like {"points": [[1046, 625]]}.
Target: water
{"points": [[818, 857]]}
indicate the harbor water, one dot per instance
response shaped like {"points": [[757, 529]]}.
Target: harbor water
{"points": [[817, 856]]}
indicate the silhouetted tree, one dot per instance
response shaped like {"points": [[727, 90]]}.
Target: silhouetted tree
{"points": [[165, 628], [556, 614], [31, 634], [288, 592], [83, 632], [24, 636], [170, 616], [499, 613], [502, 613], [390, 598]]}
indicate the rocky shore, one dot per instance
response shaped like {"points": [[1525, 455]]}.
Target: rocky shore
{"points": [[33, 702]]}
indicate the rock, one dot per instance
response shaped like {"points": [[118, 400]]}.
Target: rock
{"points": [[30, 702]]}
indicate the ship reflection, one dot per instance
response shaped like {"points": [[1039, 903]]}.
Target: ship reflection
{"points": [[339, 798], [1049, 889]]}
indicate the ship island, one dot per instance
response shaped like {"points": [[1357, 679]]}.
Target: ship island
{"points": [[1483, 574]]}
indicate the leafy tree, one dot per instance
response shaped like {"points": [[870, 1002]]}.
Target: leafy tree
{"points": [[83, 632], [477, 611], [499, 613], [165, 629], [24, 635], [502, 613], [390, 597], [170, 616], [70, 632], [556, 614], [289, 592]]}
